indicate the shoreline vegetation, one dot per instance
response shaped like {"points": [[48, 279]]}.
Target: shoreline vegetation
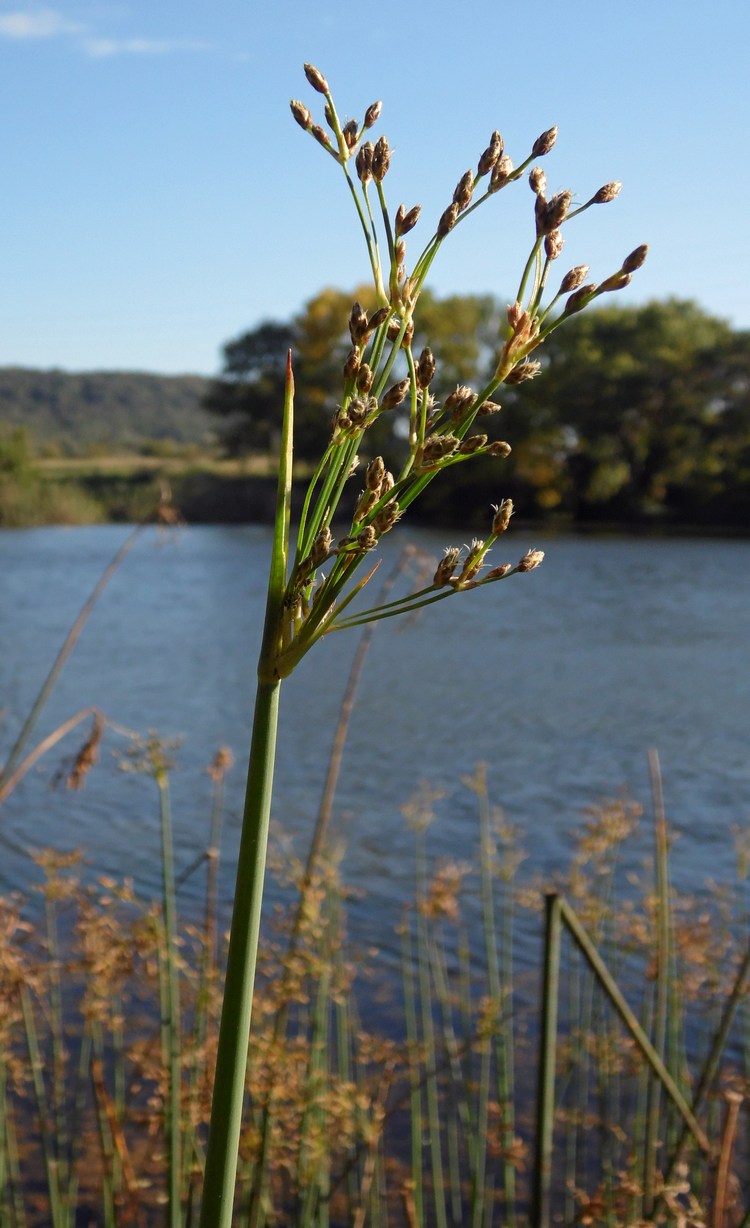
{"points": [[205, 487]]}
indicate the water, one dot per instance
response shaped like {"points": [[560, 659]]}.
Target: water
{"points": [[560, 680]]}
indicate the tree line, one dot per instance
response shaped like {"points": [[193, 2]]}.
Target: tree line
{"points": [[640, 414]]}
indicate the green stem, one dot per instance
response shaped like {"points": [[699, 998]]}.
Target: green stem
{"points": [[234, 1031]]}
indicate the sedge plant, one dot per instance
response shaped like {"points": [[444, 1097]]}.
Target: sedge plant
{"points": [[313, 583]]}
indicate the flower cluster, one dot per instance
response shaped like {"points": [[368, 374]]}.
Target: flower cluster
{"points": [[439, 435]]}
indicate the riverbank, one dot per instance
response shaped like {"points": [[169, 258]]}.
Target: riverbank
{"points": [[206, 489]]}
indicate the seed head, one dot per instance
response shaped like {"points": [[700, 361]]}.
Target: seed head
{"points": [[321, 136], [381, 159], [530, 560], [321, 547], [500, 448], [635, 259], [553, 244], [365, 502], [447, 220], [538, 181], [473, 560], [523, 372], [580, 298], [617, 281], [425, 368], [377, 318], [357, 323], [316, 79], [394, 328], [470, 444], [488, 407], [544, 143], [350, 132], [375, 473], [395, 395], [301, 114], [573, 279], [437, 447], [387, 516], [501, 173], [491, 155], [387, 483], [498, 573], [351, 366], [556, 211], [360, 408], [363, 161], [369, 538], [461, 399], [406, 221], [464, 189], [606, 193], [446, 567], [372, 114], [365, 378], [501, 519]]}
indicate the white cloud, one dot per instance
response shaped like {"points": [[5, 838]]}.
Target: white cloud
{"points": [[101, 47], [44, 23], [49, 23]]}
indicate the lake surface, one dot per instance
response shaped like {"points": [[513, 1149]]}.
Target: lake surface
{"points": [[560, 680]]}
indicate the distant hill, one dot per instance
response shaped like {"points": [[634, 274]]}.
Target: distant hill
{"points": [[75, 411]]}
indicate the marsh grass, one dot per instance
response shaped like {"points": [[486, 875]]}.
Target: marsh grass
{"points": [[419, 1110]]}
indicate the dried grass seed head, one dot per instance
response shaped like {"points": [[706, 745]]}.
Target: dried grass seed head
{"points": [[464, 189], [395, 395], [538, 181], [363, 161], [524, 371], [365, 378], [381, 159], [503, 512], [553, 244], [635, 259], [555, 211], [573, 279], [446, 567], [357, 323], [499, 447], [491, 154], [388, 515], [501, 173], [301, 114], [580, 298], [437, 447], [372, 114], [316, 79], [426, 367], [607, 193], [350, 133], [530, 560], [471, 444], [406, 220], [543, 144], [448, 219], [458, 401]]}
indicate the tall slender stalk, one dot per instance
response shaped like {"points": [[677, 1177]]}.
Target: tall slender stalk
{"points": [[234, 1030]]}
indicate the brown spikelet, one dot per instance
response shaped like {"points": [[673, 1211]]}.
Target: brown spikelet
{"points": [[87, 756], [543, 144], [316, 79]]}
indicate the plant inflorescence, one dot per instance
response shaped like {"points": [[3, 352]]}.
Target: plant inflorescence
{"points": [[382, 373]]}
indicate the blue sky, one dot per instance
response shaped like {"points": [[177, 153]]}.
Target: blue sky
{"points": [[157, 197]]}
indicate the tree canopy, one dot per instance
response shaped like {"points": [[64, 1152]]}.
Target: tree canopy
{"points": [[639, 413]]}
